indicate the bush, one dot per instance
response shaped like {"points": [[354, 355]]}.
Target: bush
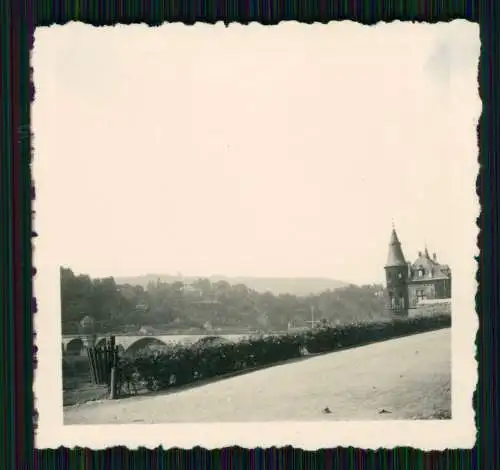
{"points": [[182, 364]]}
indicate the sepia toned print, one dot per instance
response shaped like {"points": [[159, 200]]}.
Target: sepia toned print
{"points": [[256, 236]]}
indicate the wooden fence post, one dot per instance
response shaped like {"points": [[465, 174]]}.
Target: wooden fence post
{"points": [[112, 364]]}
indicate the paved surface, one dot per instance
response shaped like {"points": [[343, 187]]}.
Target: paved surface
{"points": [[408, 377]]}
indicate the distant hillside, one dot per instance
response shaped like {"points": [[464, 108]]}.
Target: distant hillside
{"points": [[276, 285]]}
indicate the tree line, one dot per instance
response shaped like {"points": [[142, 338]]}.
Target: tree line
{"points": [[207, 306]]}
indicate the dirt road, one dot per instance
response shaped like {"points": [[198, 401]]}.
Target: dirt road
{"points": [[403, 378]]}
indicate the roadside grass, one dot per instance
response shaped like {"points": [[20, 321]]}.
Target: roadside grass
{"points": [[82, 391], [77, 387]]}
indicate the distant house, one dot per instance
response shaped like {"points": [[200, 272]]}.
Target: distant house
{"points": [[428, 280], [146, 330], [206, 302], [190, 289]]}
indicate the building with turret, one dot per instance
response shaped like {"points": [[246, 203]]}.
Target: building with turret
{"points": [[410, 284]]}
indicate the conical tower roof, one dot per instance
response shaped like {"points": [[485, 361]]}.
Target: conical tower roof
{"points": [[395, 256]]}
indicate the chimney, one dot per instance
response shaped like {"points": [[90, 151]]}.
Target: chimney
{"points": [[434, 257]]}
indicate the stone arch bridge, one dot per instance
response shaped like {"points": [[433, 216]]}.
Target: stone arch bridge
{"points": [[73, 344]]}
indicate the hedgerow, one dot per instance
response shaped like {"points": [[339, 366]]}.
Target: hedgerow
{"points": [[180, 364]]}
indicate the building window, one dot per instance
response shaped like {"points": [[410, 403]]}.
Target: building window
{"points": [[420, 273], [420, 295]]}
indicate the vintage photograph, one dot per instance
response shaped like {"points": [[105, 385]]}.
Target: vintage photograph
{"points": [[256, 225]]}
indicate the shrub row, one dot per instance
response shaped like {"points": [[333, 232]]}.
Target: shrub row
{"points": [[180, 364]]}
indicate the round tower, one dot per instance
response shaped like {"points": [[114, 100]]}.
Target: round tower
{"points": [[396, 275]]}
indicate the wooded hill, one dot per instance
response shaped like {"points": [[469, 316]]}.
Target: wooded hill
{"points": [[275, 285], [205, 305]]}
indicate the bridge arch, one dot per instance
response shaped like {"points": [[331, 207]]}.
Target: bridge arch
{"points": [[143, 343], [74, 346]]}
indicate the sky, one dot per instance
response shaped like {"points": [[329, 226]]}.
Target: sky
{"points": [[256, 151]]}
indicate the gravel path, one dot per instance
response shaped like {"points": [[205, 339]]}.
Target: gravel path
{"points": [[407, 377]]}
